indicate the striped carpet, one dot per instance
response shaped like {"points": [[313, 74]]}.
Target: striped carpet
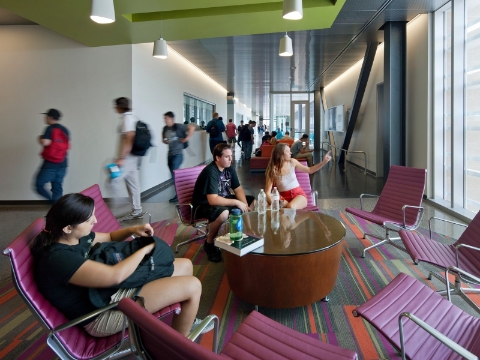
{"points": [[21, 337]]}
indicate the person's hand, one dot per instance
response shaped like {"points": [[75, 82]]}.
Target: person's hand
{"points": [[242, 206], [119, 162], [182, 140], [143, 230], [327, 157]]}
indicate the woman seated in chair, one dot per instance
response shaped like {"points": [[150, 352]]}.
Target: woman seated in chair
{"points": [[64, 274], [281, 173]]}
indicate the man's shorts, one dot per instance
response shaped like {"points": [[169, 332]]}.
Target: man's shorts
{"points": [[232, 140], [289, 195], [207, 211]]}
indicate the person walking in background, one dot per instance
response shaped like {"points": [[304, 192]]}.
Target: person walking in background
{"points": [[300, 150], [129, 163], [56, 142], [239, 131], [231, 130], [215, 128], [175, 136], [247, 135]]}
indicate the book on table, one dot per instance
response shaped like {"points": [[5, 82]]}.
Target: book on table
{"points": [[240, 247]]}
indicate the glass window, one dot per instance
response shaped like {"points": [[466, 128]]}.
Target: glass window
{"points": [[447, 96], [198, 109]]}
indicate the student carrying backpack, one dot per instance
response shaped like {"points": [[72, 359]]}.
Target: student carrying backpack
{"points": [[215, 128], [142, 140]]}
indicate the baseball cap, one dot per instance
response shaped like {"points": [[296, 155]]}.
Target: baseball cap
{"points": [[53, 113]]}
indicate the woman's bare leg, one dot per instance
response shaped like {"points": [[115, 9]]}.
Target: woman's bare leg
{"points": [[182, 267], [166, 291], [298, 202]]}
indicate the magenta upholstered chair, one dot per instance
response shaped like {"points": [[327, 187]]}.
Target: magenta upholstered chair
{"points": [[431, 327], [461, 257], [65, 338], [258, 337], [312, 195], [398, 206], [184, 183]]}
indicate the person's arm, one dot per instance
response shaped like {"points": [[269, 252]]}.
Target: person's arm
{"points": [[122, 234], [240, 195], [305, 150], [268, 189], [44, 142], [190, 131], [310, 170], [94, 274], [126, 147]]}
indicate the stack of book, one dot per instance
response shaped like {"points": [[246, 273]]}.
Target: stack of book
{"points": [[241, 247]]}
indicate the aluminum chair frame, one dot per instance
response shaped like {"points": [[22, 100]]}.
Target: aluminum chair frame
{"points": [[391, 226], [198, 224]]}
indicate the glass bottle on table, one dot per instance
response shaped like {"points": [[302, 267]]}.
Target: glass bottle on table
{"points": [[262, 202], [275, 196]]}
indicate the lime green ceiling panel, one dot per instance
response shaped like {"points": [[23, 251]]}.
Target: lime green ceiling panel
{"points": [[182, 19]]}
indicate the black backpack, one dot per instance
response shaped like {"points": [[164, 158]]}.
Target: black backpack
{"points": [[214, 131], [245, 134], [142, 140]]}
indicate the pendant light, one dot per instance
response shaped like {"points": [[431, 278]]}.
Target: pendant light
{"points": [[285, 48], [292, 9], [160, 49], [103, 11]]}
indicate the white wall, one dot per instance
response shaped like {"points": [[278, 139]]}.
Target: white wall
{"points": [[342, 90], [158, 86], [40, 69]]}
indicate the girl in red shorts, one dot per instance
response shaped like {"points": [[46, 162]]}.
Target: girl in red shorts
{"points": [[281, 173]]}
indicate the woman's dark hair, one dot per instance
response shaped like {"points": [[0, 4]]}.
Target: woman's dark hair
{"points": [[70, 209]]}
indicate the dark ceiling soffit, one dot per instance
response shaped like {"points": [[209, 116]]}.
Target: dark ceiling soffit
{"points": [[364, 27], [220, 10]]}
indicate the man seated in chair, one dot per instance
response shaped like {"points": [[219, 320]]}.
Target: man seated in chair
{"points": [[217, 191]]}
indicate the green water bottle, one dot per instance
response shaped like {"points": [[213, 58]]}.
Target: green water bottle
{"points": [[236, 225]]}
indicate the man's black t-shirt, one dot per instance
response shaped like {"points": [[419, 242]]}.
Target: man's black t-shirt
{"points": [[54, 268], [213, 181]]}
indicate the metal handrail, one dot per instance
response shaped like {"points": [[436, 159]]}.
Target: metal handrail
{"points": [[346, 153]]}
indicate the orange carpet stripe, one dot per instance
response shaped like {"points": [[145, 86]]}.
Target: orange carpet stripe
{"points": [[15, 342], [191, 251], [7, 296], [356, 274], [217, 309], [420, 274], [359, 234], [311, 320], [36, 352], [13, 313], [205, 272], [361, 334]]}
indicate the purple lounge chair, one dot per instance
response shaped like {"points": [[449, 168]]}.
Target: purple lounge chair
{"points": [[462, 257], [312, 195], [421, 323], [398, 206], [184, 184], [65, 338], [258, 337]]}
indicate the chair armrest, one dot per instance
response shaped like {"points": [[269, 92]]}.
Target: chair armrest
{"points": [[198, 330], [445, 220], [436, 334], [366, 195], [179, 213], [459, 272], [83, 318], [419, 216], [315, 197]]}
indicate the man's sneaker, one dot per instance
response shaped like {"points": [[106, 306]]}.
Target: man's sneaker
{"points": [[197, 322], [213, 253], [135, 214], [174, 199]]}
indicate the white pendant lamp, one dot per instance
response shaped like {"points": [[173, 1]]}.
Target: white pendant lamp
{"points": [[285, 48], [292, 9], [103, 11], [160, 49]]}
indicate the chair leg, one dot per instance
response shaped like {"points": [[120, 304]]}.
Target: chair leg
{"points": [[384, 240], [202, 235]]}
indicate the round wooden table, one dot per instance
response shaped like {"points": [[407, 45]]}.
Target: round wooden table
{"points": [[297, 266]]}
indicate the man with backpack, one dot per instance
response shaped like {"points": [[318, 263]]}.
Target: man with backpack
{"points": [[176, 136], [129, 162], [215, 128], [246, 136], [55, 142]]}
